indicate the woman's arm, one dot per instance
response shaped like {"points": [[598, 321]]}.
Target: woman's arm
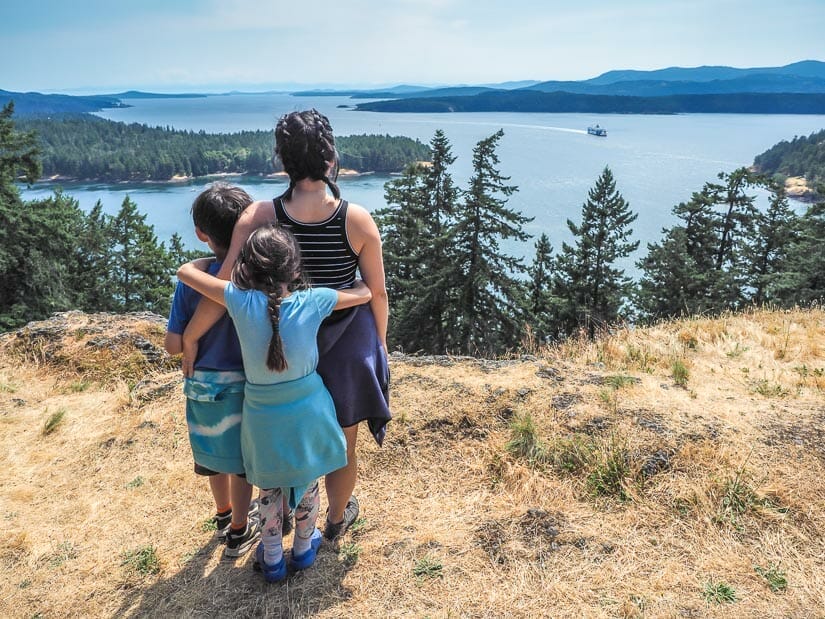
{"points": [[357, 295], [366, 241], [208, 313], [194, 275]]}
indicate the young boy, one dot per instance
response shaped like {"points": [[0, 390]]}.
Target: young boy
{"points": [[214, 394]]}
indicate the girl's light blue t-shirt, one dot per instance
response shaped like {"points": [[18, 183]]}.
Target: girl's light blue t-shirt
{"points": [[300, 317]]}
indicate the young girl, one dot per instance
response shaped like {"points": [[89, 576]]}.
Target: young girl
{"points": [[289, 432]]}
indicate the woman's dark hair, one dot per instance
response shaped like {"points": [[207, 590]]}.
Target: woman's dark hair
{"points": [[306, 147], [270, 258], [217, 208]]}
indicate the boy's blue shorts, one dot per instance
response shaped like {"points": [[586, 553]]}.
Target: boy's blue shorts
{"points": [[214, 406]]}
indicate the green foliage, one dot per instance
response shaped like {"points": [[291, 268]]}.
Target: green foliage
{"points": [[524, 440], [611, 470], [571, 455], [775, 577], [54, 257], [349, 553], [452, 288], [428, 567], [541, 304], [64, 552], [802, 156], [718, 592], [489, 294], [87, 147], [54, 420], [143, 561], [679, 372], [592, 289]]}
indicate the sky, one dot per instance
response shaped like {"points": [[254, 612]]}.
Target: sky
{"points": [[106, 46]]}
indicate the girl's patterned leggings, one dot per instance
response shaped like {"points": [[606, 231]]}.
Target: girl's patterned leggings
{"points": [[272, 514]]}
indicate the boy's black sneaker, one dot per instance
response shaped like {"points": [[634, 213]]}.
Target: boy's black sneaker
{"points": [[334, 531], [222, 522], [238, 544]]}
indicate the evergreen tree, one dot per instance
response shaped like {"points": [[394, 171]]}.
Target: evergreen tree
{"points": [[802, 280], [485, 314], [439, 283], [735, 225], [765, 257], [416, 228], [40, 260], [540, 304], [593, 289], [95, 278], [141, 267], [401, 226], [679, 272]]}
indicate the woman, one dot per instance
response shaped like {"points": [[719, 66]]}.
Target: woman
{"points": [[336, 238]]}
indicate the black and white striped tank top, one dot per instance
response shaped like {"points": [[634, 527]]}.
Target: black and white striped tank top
{"points": [[329, 260]]}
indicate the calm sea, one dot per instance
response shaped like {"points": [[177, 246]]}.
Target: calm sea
{"points": [[658, 161]]}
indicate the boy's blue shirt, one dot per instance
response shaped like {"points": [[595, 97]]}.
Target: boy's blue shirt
{"points": [[219, 348]]}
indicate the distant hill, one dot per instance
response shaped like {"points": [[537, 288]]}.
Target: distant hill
{"points": [[805, 68], [533, 101], [137, 94], [756, 82], [802, 77], [37, 104]]}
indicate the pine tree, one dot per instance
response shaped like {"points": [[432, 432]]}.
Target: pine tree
{"points": [[594, 291], [485, 314], [765, 257], [802, 280], [679, 272], [416, 228], [403, 239], [141, 267], [540, 304]]}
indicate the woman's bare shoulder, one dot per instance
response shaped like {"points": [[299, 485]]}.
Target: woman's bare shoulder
{"points": [[259, 209]]}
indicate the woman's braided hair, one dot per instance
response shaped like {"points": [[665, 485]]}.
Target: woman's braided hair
{"points": [[306, 147], [269, 259]]}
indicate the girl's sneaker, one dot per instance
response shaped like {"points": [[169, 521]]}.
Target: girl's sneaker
{"points": [[272, 573], [307, 558]]}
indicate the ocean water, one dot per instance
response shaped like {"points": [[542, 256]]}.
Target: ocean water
{"points": [[657, 160]]}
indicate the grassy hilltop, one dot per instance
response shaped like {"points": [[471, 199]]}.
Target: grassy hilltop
{"points": [[673, 471]]}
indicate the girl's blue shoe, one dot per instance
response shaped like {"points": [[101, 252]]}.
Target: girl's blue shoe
{"points": [[306, 559], [272, 573]]}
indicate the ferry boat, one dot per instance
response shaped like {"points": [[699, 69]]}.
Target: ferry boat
{"points": [[597, 130]]}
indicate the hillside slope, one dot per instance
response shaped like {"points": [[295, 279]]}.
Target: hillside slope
{"points": [[674, 471]]}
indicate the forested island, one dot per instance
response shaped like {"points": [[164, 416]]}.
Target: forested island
{"points": [[86, 147], [800, 157], [565, 102]]}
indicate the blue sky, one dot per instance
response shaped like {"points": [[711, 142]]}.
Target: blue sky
{"points": [[177, 45]]}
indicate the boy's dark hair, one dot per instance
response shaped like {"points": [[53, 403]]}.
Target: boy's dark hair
{"points": [[305, 145], [216, 209], [269, 258]]}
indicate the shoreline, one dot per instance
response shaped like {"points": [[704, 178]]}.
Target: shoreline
{"points": [[179, 179]]}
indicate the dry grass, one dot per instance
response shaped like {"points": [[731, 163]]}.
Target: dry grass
{"points": [[716, 488]]}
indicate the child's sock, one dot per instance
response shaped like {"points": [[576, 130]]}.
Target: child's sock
{"points": [[273, 552], [223, 518], [306, 515], [300, 545]]}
